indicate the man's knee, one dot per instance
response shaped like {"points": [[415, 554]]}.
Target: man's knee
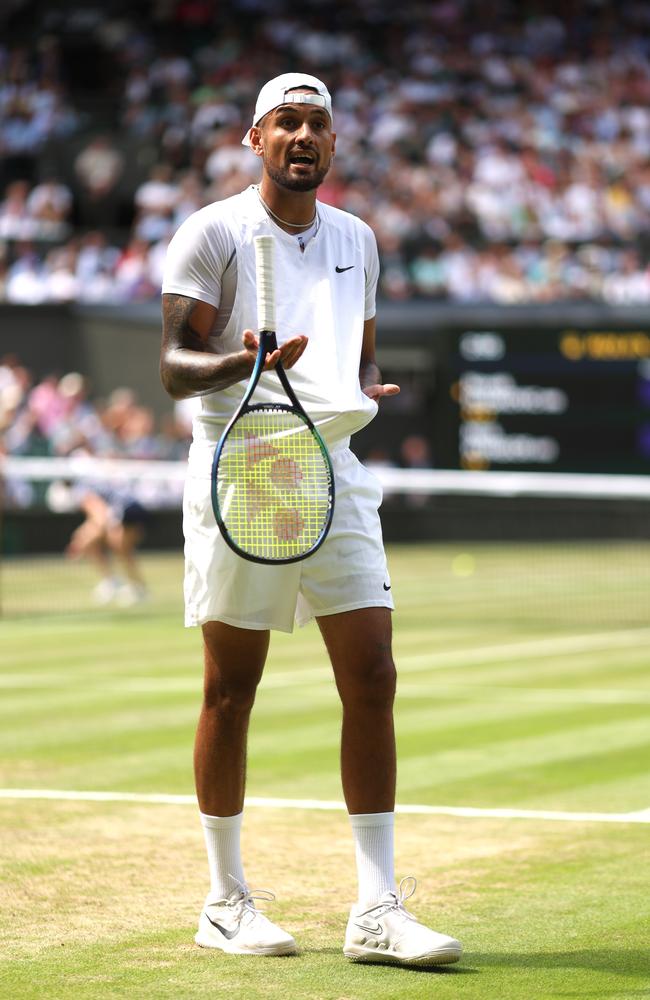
{"points": [[232, 695], [370, 683], [234, 661]]}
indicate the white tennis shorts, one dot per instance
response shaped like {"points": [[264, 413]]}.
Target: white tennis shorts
{"points": [[347, 572]]}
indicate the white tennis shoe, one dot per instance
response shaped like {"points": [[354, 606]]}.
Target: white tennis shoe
{"points": [[235, 925], [106, 590], [130, 594], [387, 932]]}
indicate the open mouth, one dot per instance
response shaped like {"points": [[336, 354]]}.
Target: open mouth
{"points": [[303, 159]]}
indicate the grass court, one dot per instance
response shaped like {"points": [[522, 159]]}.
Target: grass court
{"points": [[524, 686]]}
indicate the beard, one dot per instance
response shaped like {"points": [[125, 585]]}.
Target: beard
{"points": [[283, 178]]}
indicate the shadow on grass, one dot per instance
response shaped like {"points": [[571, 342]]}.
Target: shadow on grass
{"points": [[622, 961], [445, 970]]}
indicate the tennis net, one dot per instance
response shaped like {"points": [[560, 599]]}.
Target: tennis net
{"points": [[499, 545]]}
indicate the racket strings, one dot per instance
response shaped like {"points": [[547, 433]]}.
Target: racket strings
{"points": [[274, 485]]}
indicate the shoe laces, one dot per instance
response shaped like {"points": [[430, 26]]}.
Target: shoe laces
{"points": [[396, 900], [242, 899], [407, 887]]}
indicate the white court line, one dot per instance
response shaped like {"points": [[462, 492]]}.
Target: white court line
{"points": [[155, 798]]}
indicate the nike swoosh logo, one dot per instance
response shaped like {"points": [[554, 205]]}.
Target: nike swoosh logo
{"points": [[370, 929], [229, 935], [387, 587], [340, 270]]}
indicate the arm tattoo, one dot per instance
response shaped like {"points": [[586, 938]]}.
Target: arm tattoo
{"points": [[188, 367], [178, 332]]}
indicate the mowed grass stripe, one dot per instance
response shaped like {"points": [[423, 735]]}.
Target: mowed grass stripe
{"points": [[538, 647], [111, 671], [429, 742], [313, 735], [468, 759], [107, 725], [444, 726], [160, 707], [570, 671], [513, 776], [614, 792], [155, 768], [18, 702], [514, 703], [118, 650], [559, 784], [563, 609], [485, 694], [135, 705]]}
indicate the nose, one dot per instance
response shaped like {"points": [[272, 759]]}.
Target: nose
{"points": [[305, 133]]}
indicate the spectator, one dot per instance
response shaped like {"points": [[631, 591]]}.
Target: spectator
{"points": [[77, 427], [50, 204], [481, 137], [98, 168], [61, 282], [58, 417], [16, 219], [26, 281], [132, 277], [95, 266], [155, 202]]}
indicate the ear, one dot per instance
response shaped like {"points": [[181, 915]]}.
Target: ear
{"points": [[333, 143], [255, 137]]}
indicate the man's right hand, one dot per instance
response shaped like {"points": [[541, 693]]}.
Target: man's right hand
{"points": [[288, 353], [189, 365]]}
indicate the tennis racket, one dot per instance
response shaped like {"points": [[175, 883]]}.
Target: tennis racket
{"points": [[272, 478]]}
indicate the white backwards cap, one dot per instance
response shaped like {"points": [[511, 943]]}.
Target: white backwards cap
{"points": [[275, 93]]}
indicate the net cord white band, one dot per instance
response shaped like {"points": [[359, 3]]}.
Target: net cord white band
{"points": [[264, 247], [421, 481]]}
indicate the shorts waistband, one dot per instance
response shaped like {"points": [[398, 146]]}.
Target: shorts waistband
{"points": [[205, 440], [207, 435]]}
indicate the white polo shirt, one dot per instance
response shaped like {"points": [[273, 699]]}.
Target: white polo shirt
{"points": [[326, 292]]}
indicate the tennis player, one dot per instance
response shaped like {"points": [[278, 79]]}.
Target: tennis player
{"points": [[114, 525], [326, 268]]}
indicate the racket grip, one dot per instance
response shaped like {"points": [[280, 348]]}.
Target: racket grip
{"points": [[264, 247]]}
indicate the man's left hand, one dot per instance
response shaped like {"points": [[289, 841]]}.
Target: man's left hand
{"points": [[377, 391]]}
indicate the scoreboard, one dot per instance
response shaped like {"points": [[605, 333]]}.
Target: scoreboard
{"points": [[554, 400]]}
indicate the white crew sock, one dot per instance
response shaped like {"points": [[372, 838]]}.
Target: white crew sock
{"points": [[373, 843], [222, 840]]}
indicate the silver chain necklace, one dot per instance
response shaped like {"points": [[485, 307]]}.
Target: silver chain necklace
{"points": [[294, 225]]}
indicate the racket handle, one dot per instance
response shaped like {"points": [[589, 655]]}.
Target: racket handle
{"points": [[264, 247]]}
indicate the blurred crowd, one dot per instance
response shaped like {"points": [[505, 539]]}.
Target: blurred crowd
{"points": [[501, 152], [58, 416]]}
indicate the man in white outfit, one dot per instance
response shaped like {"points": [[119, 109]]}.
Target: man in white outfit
{"points": [[326, 276]]}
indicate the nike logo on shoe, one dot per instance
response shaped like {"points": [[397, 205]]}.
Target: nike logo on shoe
{"points": [[387, 587], [229, 935], [340, 270], [370, 928]]}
